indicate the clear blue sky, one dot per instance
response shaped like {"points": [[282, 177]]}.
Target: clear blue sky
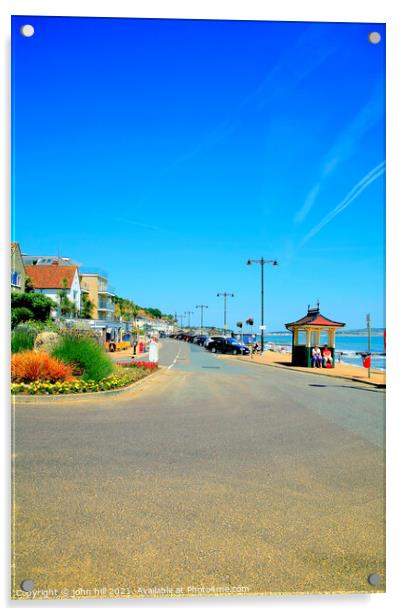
{"points": [[169, 152]]}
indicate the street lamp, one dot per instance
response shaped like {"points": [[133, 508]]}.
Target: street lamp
{"points": [[188, 313], [225, 295], [202, 306], [180, 316], [262, 262]]}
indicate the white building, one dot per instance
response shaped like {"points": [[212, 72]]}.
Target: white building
{"points": [[52, 279]]}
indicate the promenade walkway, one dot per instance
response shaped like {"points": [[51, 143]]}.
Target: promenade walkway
{"points": [[345, 371]]}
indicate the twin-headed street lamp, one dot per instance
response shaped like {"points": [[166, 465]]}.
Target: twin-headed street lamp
{"points": [[225, 295], [262, 262], [188, 313], [202, 306]]}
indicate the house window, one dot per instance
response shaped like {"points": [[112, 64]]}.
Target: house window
{"points": [[74, 295], [16, 279]]}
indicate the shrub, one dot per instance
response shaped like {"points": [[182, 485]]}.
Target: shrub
{"points": [[85, 356], [29, 366], [39, 305], [43, 326], [19, 315], [22, 339]]}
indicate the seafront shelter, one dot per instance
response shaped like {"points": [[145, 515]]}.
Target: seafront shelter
{"points": [[308, 332]]}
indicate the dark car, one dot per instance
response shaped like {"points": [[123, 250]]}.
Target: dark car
{"points": [[200, 339], [219, 344], [187, 337]]}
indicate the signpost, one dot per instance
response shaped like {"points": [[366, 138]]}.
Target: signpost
{"points": [[369, 343]]}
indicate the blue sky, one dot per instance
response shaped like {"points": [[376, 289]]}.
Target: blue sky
{"points": [[168, 152]]}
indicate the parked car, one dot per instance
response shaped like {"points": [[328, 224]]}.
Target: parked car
{"points": [[220, 344], [200, 339]]}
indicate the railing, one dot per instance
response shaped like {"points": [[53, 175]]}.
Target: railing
{"points": [[102, 305]]}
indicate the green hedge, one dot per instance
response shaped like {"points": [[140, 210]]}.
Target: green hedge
{"points": [[86, 357]]}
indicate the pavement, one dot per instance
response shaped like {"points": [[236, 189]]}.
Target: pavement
{"points": [[218, 477], [340, 370]]}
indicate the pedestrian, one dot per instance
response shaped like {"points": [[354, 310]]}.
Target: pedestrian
{"points": [[134, 346], [256, 348]]}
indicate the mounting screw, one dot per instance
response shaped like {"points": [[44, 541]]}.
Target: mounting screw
{"points": [[374, 37], [27, 585], [374, 579]]}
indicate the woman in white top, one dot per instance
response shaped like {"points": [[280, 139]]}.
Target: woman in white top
{"points": [[316, 355]]}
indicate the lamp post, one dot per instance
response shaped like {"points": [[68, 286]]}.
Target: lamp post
{"points": [[202, 306], [225, 295], [180, 316], [262, 262], [188, 313]]}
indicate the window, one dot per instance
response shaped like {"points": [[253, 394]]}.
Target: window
{"points": [[16, 279]]}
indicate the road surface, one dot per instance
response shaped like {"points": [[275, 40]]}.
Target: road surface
{"points": [[217, 476]]}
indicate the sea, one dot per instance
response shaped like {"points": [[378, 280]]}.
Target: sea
{"points": [[347, 348]]}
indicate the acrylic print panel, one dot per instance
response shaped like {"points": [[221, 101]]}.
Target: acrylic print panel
{"points": [[184, 424]]}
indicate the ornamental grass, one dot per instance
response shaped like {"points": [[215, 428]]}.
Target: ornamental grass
{"points": [[87, 359], [31, 366], [22, 339]]}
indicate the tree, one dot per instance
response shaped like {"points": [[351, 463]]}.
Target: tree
{"points": [[86, 307], [154, 312], [239, 324], [125, 308], [67, 307], [29, 286]]}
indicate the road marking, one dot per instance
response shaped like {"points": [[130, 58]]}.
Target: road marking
{"points": [[175, 360]]}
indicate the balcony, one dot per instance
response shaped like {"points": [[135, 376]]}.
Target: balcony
{"points": [[104, 304]]}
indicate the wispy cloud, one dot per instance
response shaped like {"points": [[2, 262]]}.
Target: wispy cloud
{"points": [[306, 54], [343, 148], [357, 189]]}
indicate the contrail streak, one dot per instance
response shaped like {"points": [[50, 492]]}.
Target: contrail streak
{"points": [[350, 197]]}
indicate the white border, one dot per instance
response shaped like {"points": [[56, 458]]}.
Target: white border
{"points": [[286, 10]]}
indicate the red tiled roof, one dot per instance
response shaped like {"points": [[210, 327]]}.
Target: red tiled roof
{"points": [[314, 317], [51, 276]]}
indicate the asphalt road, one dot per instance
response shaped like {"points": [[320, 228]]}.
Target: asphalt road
{"points": [[217, 476]]}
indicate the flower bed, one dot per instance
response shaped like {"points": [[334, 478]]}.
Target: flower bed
{"points": [[78, 386], [146, 365]]}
